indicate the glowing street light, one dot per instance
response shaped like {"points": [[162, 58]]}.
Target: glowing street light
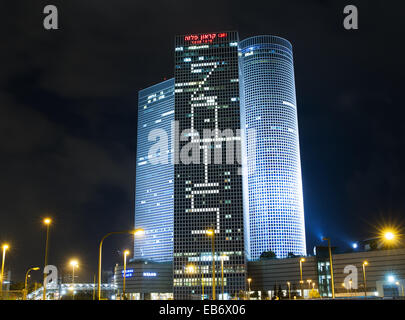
{"points": [[289, 290], [26, 281], [391, 279], [211, 233], [301, 281], [137, 232], [249, 281], [47, 222], [192, 269], [126, 252], [388, 235], [365, 263], [74, 264], [399, 284], [5, 247]]}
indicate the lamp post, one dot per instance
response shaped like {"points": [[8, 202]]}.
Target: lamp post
{"points": [[134, 232], [94, 287], [331, 267], [365, 263], [211, 233], [74, 264], [222, 275], [26, 281], [126, 252], [347, 289], [289, 290], [202, 283], [309, 283], [192, 269], [4, 247], [249, 281], [47, 222], [402, 287], [301, 281]]}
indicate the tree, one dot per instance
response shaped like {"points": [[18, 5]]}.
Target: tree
{"points": [[274, 292], [280, 294], [291, 255], [314, 294], [294, 291], [268, 255]]}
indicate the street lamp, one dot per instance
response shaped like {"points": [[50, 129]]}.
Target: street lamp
{"points": [[136, 232], [365, 263], [26, 281], [249, 281], [347, 289], [402, 287], [5, 248], [126, 252], [391, 278], [47, 222], [309, 283], [222, 275], [388, 235], [289, 290], [211, 233], [74, 264], [331, 267], [192, 269], [301, 281]]}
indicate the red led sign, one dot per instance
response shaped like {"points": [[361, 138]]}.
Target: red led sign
{"points": [[204, 38]]}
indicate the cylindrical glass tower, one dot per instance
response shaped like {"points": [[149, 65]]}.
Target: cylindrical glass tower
{"points": [[274, 201]]}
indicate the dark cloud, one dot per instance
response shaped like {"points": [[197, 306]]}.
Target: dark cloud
{"points": [[68, 113]]}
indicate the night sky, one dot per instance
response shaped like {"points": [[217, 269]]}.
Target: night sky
{"points": [[68, 115]]}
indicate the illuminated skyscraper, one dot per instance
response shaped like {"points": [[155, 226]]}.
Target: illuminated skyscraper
{"points": [[154, 181], [273, 180], [208, 193]]}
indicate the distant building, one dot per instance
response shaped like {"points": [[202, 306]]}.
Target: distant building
{"points": [[145, 280], [154, 181], [274, 202], [385, 274], [6, 280], [208, 192], [221, 85]]}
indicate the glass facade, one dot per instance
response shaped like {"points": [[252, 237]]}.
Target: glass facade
{"points": [[155, 173], [271, 146], [208, 190]]}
